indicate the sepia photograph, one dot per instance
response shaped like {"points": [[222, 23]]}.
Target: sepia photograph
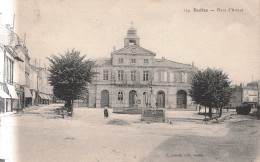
{"points": [[129, 81]]}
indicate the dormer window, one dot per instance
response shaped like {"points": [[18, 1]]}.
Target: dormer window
{"points": [[146, 61], [120, 60]]}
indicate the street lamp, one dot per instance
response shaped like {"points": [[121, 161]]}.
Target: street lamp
{"points": [[151, 93]]}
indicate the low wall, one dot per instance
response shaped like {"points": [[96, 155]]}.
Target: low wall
{"points": [[127, 110]]}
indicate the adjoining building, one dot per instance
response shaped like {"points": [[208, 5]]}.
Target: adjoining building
{"points": [[9, 99], [255, 85], [133, 77], [21, 84]]}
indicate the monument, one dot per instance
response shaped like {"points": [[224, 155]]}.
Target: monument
{"points": [[151, 112]]}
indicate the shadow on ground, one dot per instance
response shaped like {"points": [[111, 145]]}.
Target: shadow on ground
{"points": [[240, 144], [52, 113]]}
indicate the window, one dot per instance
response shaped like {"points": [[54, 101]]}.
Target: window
{"points": [[105, 74], [161, 77], [145, 75], [184, 77], [165, 76], [9, 70], [133, 61], [27, 82], [146, 61], [120, 60], [171, 77], [133, 75], [120, 96], [120, 74]]}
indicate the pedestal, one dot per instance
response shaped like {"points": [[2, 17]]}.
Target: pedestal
{"points": [[153, 115]]}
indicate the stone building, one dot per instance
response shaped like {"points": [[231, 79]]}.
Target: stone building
{"points": [[18, 78], [255, 85], [133, 77], [9, 99]]}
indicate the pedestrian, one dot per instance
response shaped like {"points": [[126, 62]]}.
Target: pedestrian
{"points": [[105, 112]]}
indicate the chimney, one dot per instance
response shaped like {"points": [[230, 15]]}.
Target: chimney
{"points": [[192, 63], [163, 59]]}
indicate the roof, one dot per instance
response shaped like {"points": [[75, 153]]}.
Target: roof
{"points": [[252, 84], [125, 49], [157, 63], [169, 63], [11, 51], [103, 62]]}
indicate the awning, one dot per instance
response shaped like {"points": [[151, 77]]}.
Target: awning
{"points": [[49, 97], [46, 97], [41, 95], [12, 91], [3, 94], [27, 92]]}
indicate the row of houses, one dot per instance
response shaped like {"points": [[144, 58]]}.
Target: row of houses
{"points": [[23, 82]]}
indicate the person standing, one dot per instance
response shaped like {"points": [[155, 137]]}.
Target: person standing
{"points": [[105, 112]]}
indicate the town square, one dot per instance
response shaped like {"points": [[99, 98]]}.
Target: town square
{"points": [[145, 81]]}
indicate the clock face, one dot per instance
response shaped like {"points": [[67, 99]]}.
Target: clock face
{"points": [[133, 50]]}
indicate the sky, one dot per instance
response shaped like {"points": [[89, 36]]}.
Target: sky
{"points": [[224, 40]]}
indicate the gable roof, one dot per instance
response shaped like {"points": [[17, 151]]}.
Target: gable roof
{"points": [[139, 51]]}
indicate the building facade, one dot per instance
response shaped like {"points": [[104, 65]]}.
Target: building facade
{"points": [[255, 85], [18, 78], [133, 77], [8, 59]]}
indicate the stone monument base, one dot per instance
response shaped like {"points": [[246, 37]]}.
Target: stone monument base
{"points": [[153, 115]]}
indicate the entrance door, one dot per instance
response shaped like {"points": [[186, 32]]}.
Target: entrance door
{"points": [[160, 99], [104, 98], [181, 99], [132, 98]]}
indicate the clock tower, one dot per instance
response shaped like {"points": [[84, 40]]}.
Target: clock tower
{"points": [[132, 38]]}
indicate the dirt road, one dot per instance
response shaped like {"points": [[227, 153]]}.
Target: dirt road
{"points": [[240, 144], [39, 134]]}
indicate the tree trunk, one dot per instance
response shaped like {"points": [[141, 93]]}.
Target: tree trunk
{"points": [[220, 112], [72, 102], [69, 105], [205, 113], [210, 113]]}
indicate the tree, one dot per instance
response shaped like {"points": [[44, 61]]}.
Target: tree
{"points": [[69, 75], [211, 89]]}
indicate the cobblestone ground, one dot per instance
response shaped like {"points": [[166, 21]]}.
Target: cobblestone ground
{"points": [[40, 134]]}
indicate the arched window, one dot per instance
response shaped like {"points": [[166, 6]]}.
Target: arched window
{"points": [[120, 96]]}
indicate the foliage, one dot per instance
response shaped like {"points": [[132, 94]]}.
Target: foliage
{"points": [[210, 88], [69, 74]]}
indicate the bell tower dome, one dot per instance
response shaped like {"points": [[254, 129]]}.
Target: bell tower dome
{"points": [[132, 37]]}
